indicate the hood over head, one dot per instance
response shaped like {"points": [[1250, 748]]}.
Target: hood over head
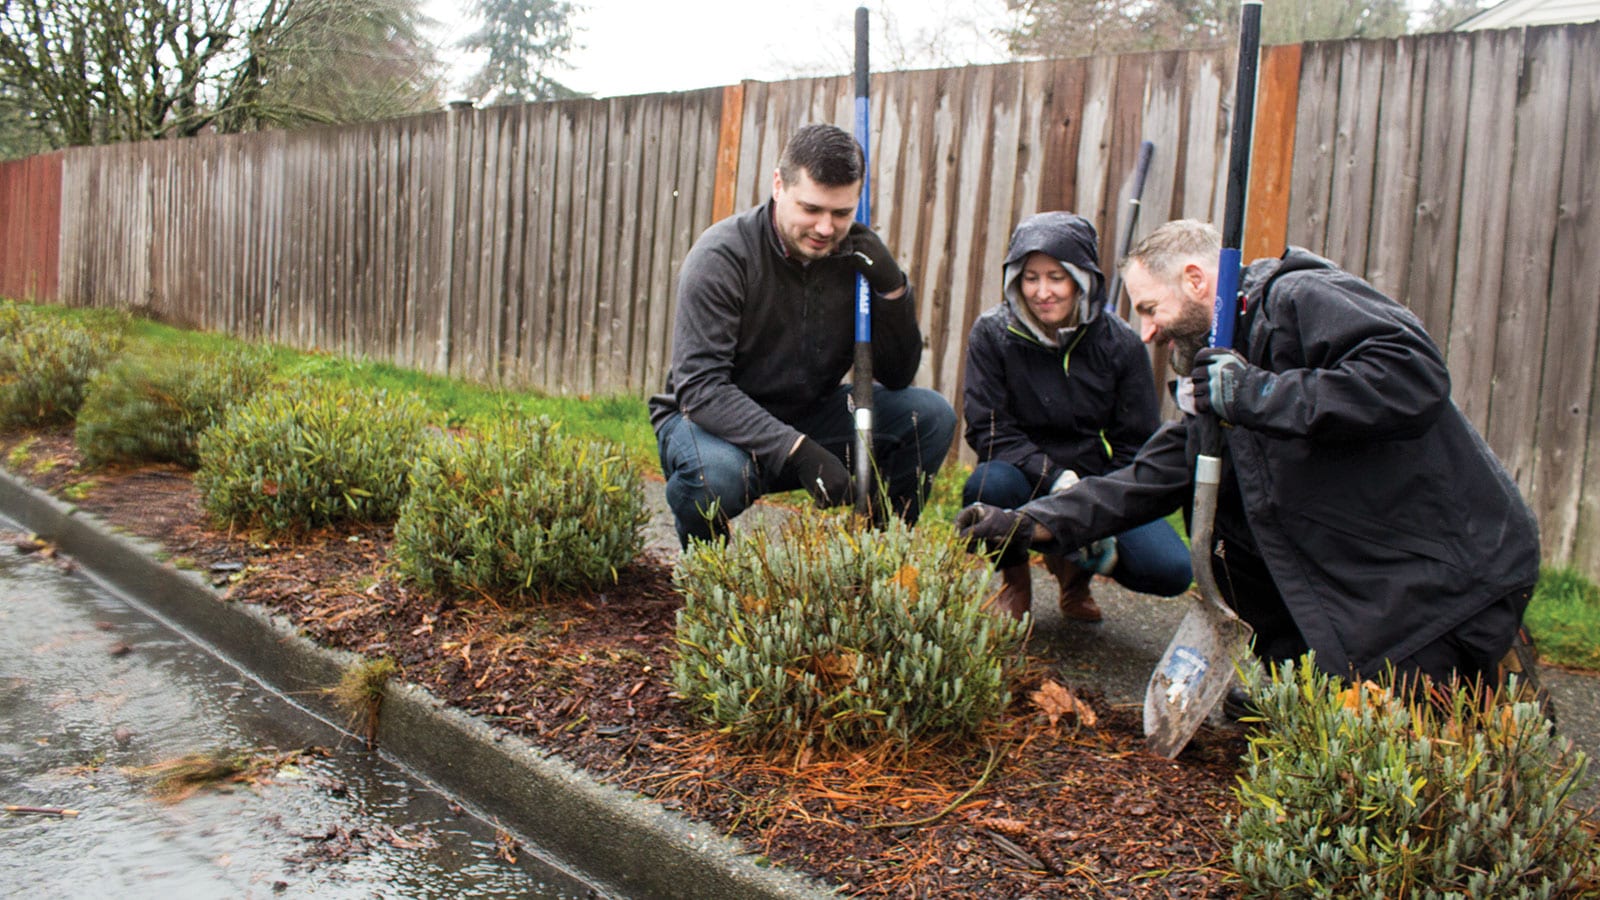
{"points": [[1070, 240]]}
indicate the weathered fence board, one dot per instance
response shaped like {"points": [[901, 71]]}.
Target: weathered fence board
{"points": [[1567, 464], [1350, 200], [1523, 294], [1480, 249], [1315, 139], [1397, 169]]}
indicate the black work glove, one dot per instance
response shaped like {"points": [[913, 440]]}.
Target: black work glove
{"points": [[822, 474], [990, 528], [1216, 375], [873, 260]]}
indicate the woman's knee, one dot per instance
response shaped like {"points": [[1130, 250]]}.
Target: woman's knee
{"points": [[1162, 574], [998, 484]]}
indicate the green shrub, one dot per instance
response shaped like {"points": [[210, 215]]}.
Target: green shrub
{"points": [[1350, 792], [154, 408], [519, 509], [13, 316], [308, 454], [825, 634], [46, 364]]}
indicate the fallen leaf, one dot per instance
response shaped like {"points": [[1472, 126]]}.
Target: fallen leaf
{"points": [[907, 578], [1057, 703]]}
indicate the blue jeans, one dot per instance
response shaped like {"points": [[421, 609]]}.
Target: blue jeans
{"points": [[1151, 558], [709, 481]]}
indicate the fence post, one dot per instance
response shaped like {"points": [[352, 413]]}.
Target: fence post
{"points": [[1273, 152], [730, 127]]}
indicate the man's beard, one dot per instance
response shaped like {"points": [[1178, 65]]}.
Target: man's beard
{"points": [[1188, 336], [1184, 350]]}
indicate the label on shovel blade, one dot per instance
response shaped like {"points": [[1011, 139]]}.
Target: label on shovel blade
{"points": [[1184, 670]]}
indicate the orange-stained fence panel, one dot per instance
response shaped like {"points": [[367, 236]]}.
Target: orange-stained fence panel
{"points": [[30, 227]]}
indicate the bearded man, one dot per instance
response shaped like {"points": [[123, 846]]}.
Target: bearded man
{"points": [[1359, 515]]}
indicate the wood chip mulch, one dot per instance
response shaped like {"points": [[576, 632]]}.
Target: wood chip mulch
{"points": [[1033, 810]]}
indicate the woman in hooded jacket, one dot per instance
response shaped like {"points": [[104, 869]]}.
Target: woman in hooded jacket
{"points": [[1057, 388]]}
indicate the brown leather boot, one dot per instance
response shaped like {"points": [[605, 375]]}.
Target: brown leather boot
{"points": [[1015, 596], [1076, 601]]}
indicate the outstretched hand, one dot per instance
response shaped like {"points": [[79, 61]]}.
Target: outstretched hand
{"points": [[991, 527]]}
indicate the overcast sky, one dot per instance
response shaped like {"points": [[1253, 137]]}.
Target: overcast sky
{"points": [[642, 46]]}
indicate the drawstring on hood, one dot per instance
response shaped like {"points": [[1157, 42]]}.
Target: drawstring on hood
{"points": [[1070, 240]]}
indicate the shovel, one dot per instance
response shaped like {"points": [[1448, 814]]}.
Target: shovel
{"points": [[861, 378], [1198, 665]]}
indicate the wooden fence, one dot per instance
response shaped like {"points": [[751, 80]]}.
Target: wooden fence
{"points": [[538, 245]]}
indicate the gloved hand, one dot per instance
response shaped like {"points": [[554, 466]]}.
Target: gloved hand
{"points": [[1066, 479], [991, 527], [1100, 556], [1185, 395], [822, 474], [873, 260], [1216, 373]]}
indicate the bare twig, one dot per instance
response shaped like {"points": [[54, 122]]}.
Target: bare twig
{"points": [[41, 811], [994, 760]]}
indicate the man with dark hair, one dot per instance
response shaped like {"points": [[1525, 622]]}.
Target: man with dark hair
{"points": [[1359, 515], [764, 335]]}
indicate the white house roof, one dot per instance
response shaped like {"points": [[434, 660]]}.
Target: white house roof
{"points": [[1515, 13]]}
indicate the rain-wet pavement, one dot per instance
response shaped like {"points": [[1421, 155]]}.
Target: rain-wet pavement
{"points": [[93, 688]]}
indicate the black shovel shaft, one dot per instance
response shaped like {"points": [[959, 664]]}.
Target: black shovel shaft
{"points": [[1208, 468], [1141, 169], [1226, 316], [861, 388]]}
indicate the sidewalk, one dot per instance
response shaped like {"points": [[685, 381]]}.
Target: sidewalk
{"points": [[1115, 657]]}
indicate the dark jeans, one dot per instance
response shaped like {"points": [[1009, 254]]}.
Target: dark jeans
{"points": [[1151, 558], [709, 481]]}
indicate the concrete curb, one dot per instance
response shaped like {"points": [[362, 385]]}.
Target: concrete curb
{"points": [[628, 844]]}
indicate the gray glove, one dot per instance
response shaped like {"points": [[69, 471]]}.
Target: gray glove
{"points": [[1216, 375], [873, 260]]}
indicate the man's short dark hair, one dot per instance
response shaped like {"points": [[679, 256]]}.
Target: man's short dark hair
{"points": [[827, 153]]}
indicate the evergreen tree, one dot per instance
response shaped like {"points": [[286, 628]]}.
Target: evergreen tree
{"points": [[523, 40]]}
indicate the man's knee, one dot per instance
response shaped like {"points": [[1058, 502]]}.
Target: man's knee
{"points": [[935, 418], [724, 482], [917, 414]]}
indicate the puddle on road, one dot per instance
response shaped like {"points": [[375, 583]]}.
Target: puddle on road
{"points": [[92, 689]]}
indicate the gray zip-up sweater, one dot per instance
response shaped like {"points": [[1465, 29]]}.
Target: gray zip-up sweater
{"points": [[760, 339]]}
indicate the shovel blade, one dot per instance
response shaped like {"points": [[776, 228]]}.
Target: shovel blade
{"points": [[1193, 674]]}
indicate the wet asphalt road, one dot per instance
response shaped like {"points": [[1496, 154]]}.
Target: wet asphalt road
{"points": [[92, 689]]}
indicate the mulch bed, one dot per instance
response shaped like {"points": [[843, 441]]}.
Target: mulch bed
{"points": [[1035, 810]]}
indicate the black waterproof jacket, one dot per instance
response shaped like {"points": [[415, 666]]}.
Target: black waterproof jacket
{"points": [[760, 339], [1086, 404], [1381, 514]]}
